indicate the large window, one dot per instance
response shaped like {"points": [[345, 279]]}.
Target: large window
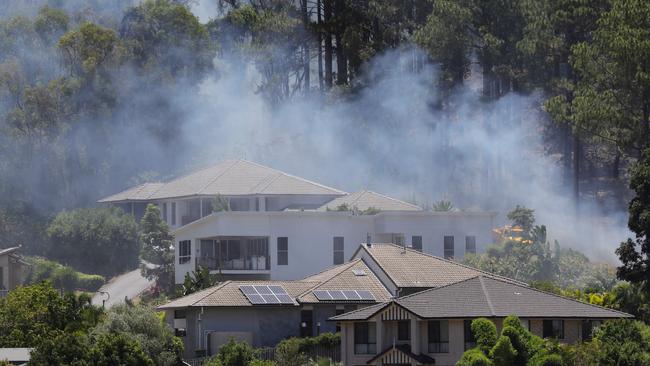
{"points": [[553, 328], [283, 251], [184, 251], [404, 330], [339, 253], [588, 327], [365, 338], [173, 213], [470, 341], [163, 213], [449, 247], [438, 331], [470, 244], [416, 242]]}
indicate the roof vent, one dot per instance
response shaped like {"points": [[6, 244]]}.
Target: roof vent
{"points": [[359, 272]]}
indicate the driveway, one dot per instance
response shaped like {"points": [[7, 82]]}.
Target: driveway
{"points": [[130, 284]]}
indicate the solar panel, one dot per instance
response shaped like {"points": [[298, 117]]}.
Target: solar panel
{"points": [[263, 294], [345, 295]]}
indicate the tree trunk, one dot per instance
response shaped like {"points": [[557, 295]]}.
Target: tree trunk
{"points": [[327, 10], [305, 45], [320, 45], [341, 59]]}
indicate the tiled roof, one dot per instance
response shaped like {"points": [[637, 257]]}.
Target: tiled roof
{"points": [[410, 268], [344, 278], [482, 296], [228, 294], [339, 277], [364, 200], [230, 178]]}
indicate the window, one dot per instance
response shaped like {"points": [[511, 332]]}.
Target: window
{"points": [[525, 323], [449, 247], [180, 314], [180, 332], [306, 323], [470, 244], [283, 251], [404, 330], [2, 279], [184, 251], [164, 212], [438, 331], [416, 242], [588, 327], [470, 342], [173, 213], [339, 256], [553, 328], [365, 338]]}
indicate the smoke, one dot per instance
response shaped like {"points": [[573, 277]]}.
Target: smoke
{"points": [[392, 133]]}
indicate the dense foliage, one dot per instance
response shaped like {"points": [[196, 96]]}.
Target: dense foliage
{"points": [[62, 277], [95, 240]]}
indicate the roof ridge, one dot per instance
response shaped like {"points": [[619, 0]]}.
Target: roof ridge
{"points": [[294, 176], [436, 288], [487, 295], [216, 288], [393, 199], [234, 162], [379, 306], [320, 283], [454, 262], [562, 297]]}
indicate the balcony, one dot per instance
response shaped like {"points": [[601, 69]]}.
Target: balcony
{"points": [[235, 254]]}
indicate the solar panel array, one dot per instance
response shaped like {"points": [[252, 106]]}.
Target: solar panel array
{"points": [[263, 294], [344, 295]]}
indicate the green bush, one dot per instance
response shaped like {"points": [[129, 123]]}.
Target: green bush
{"points": [[485, 333], [503, 353], [62, 277], [474, 357], [233, 353], [257, 362], [290, 352], [547, 360]]}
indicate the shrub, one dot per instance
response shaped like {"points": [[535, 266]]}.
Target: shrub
{"points": [[290, 352], [547, 360], [89, 282], [485, 333], [503, 353], [257, 362], [233, 353], [61, 276], [474, 357]]}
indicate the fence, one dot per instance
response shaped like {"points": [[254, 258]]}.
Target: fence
{"points": [[314, 353]]}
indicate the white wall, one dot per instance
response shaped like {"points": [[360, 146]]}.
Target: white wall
{"points": [[311, 234]]}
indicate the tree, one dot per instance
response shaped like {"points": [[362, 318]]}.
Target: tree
{"points": [[117, 349], [443, 206], [233, 353], [157, 249], [66, 349], [622, 342], [635, 254], [142, 325], [95, 240], [87, 49], [198, 280], [31, 314], [522, 217]]}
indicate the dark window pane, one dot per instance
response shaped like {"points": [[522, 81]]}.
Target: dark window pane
{"points": [[449, 247], [416, 243], [339, 252], [470, 244], [283, 251], [404, 330]]}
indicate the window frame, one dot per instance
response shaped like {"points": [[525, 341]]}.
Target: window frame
{"points": [[403, 334], [184, 257], [282, 253], [468, 337], [446, 250], [173, 213], [417, 247], [556, 332], [441, 344], [467, 242], [336, 251], [367, 331]]}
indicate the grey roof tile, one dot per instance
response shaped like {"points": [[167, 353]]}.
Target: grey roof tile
{"points": [[364, 200]]}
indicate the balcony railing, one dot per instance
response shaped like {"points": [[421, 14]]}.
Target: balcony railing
{"points": [[253, 263]]}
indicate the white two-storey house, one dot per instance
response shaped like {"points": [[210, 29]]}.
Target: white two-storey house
{"points": [[279, 226]]}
